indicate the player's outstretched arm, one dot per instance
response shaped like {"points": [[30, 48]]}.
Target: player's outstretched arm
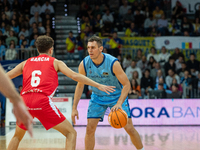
{"points": [[62, 67], [19, 109], [16, 71], [121, 76], [77, 95]]}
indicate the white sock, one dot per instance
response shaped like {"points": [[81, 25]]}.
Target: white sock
{"points": [[141, 149]]}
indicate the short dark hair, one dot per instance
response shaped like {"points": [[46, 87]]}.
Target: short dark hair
{"points": [[97, 39], [192, 54], [44, 43]]}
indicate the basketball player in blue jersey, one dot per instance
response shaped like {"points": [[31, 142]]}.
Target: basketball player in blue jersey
{"points": [[104, 69]]}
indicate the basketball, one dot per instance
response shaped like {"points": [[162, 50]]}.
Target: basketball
{"points": [[118, 119]]}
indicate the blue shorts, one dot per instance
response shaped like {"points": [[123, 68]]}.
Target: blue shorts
{"points": [[98, 110]]}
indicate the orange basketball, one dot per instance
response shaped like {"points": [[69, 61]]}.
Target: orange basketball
{"points": [[118, 119]]}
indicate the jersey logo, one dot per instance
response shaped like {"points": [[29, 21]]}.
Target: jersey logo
{"points": [[105, 73]]}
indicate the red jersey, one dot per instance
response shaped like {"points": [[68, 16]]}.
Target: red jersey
{"points": [[40, 76]]}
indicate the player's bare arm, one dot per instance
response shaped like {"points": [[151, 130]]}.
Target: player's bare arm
{"points": [[16, 71], [121, 76], [19, 108], [60, 66], [78, 93]]}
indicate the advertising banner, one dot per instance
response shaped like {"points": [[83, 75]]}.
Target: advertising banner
{"points": [[187, 45], [64, 104], [190, 6], [154, 112]]}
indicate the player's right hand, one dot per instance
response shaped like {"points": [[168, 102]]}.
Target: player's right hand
{"points": [[107, 89], [74, 114]]}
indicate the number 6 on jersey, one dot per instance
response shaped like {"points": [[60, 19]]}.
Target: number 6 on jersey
{"points": [[35, 81]]}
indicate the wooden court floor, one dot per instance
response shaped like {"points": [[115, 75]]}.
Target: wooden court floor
{"points": [[108, 138]]}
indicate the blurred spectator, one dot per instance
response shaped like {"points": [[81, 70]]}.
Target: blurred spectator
{"points": [[128, 18], [98, 24], [194, 73], [97, 11], [115, 45], [21, 38], [174, 81], [154, 33], [26, 6], [149, 23], [35, 8], [80, 48], [16, 6], [20, 88], [136, 77], [195, 83], [197, 13], [170, 65], [177, 11], [177, 53], [7, 3], [142, 64], [86, 23], [139, 19], [33, 40], [86, 34], [135, 90], [151, 63], [7, 31], [173, 28], [15, 26], [135, 5], [24, 31], [41, 29], [106, 30], [186, 33], [154, 71], [132, 31], [158, 82], [4, 19], [129, 70], [146, 83], [25, 44], [196, 26], [180, 72], [175, 93], [186, 26], [7, 12], [3, 27], [138, 55], [114, 4], [179, 62], [2, 50], [186, 81], [127, 61], [70, 46], [32, 27], [119, 57], [162, 25], [108, 17], [10, 38], [147, 12], [153, 53], [47, 8], [82, 10], [157, 13], [193, 63], [169, 78], [11, 53], [163, 57], [123, 10], [36, 18]]}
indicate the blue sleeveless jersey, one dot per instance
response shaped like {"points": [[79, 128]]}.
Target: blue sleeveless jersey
{"points": [[103, 74]]}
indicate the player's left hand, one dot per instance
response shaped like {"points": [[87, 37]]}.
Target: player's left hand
{"points": [[116, 107], [106, 88]]}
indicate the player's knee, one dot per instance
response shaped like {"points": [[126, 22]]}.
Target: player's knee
{"points": [[71, 134], [90, 129]]}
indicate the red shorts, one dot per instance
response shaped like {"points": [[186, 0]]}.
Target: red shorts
{"points": [[42, 107]]}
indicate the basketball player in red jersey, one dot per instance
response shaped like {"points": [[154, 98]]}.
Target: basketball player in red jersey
{"points": [[40, 81]]}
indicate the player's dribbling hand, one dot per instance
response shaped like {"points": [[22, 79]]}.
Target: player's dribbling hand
{"points": [[74, 114], [22, 116], [116, 107], [107, 89]]}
